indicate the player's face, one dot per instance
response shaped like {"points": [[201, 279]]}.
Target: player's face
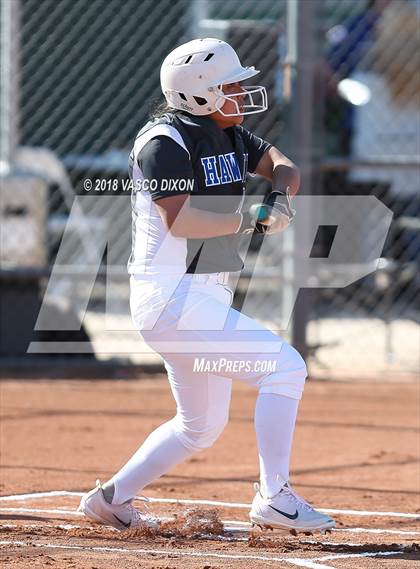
{"points": [[230, 107]]}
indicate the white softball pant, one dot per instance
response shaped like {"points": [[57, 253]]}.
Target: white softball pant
{"points": [[204, 344]]}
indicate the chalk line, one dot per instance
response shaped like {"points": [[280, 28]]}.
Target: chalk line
{"points": [[246, 525], [248, 506], [42, 511], [377, 531], [176, 553], [368, 513], [17, 497], [337, 556], [232, 526], [36, 495], [298, 561]]}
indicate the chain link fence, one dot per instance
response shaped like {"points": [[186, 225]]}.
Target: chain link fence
{"points": [[371, 128], [80, 78]]}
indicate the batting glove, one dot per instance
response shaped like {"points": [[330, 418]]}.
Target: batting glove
{"points": [[271, 216]]}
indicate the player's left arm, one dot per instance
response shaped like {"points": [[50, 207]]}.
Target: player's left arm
{"points": [[276, 212], [281, 171]]}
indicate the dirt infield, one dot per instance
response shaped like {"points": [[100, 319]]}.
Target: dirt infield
{"points": [[356, 451]]}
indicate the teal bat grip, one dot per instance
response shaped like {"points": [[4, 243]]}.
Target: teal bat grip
{"points": [[259, 212]]}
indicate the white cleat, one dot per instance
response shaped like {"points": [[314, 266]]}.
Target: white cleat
{"points": [[119, 516], [287, 510]]}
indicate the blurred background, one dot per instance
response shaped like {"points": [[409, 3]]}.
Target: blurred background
{"points": [[79, 78]]}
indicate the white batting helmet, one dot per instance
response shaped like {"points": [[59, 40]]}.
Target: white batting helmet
{"points": [[191, 77]]}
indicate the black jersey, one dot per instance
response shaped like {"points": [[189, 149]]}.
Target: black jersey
{"points": [[180, 153]]}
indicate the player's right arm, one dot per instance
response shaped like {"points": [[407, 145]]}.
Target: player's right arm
{"points": [[182, 220], [164, 159]]}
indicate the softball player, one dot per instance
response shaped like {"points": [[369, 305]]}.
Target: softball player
{"points": [[187, 229]]}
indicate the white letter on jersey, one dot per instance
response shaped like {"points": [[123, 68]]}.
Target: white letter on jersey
{"points": [[210, 170]]}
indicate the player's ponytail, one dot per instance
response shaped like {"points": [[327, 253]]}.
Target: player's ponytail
{"points": [[160, 108]]}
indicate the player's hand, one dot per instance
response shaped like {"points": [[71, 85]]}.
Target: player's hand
{"points": [[272, 216], [282, 201], [280, 212], [263, 219], [276, 222]]}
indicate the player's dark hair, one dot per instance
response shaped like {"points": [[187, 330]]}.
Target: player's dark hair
{"points": [[161, 108]]}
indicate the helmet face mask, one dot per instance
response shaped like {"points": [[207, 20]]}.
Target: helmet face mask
{"points": [[192, 76], [248, 108]]}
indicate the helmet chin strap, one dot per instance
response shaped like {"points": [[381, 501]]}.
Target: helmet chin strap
{"points": [[254, 108]]}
